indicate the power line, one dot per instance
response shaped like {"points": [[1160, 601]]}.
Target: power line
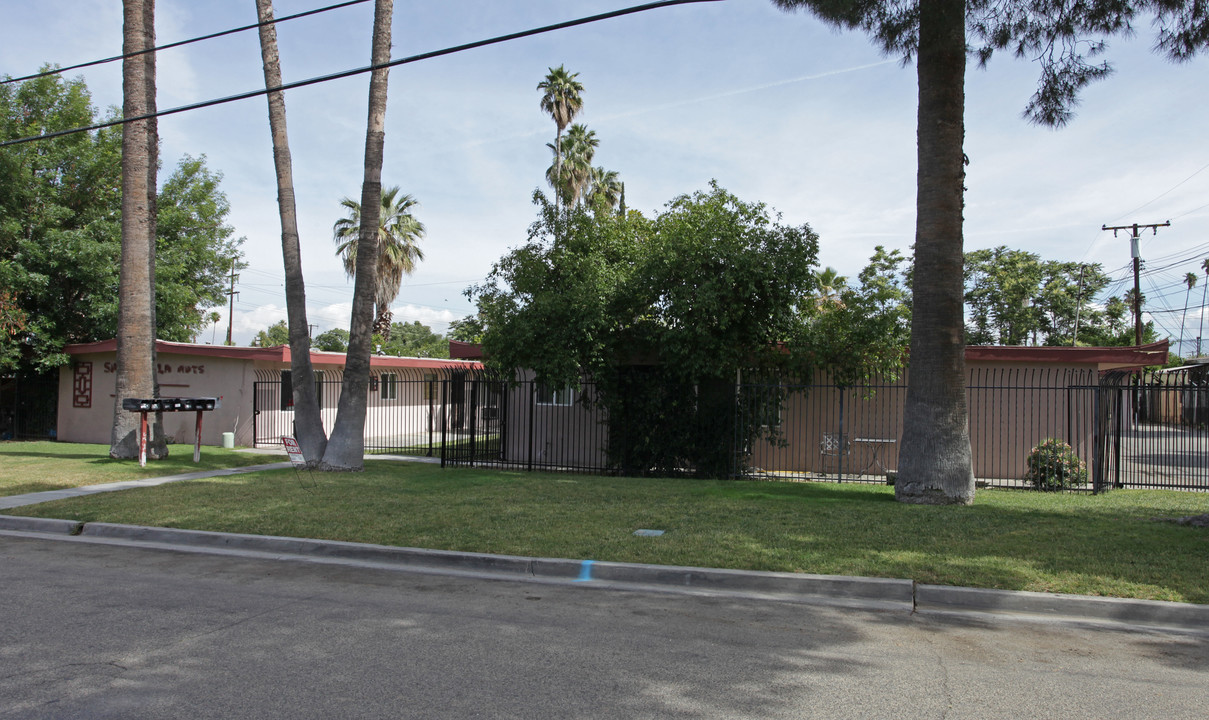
{"points": [[362, 70], [1162, 194], [211, 36]]}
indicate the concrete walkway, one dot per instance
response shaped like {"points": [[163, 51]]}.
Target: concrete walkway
{"points": [[13, 501]]}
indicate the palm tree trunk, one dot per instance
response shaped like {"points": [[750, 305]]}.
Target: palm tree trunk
{"points": [[1200, 330], [1179, 347], [157, 443], [935, 464], [136, 372], [558, 167], [308, 424], [346, 448]]}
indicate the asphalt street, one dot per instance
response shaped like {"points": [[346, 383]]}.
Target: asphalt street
{"points": [[91, 630]]}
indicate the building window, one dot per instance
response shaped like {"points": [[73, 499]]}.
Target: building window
{"points": [[388, 386], [430, 386], [551, 395]]}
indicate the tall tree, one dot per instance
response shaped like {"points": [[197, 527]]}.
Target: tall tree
{"points": [[136, 374], [277, 334], [308, 425], [858, 333], [399, 233], [346, 447], [661, 313], [562, 98], [62, 198], [935, 463], [578, 152], [194, 249], [1190, 281], [415, 340], [604, 190], [334, 340], [1200, 333], [828, 286]]}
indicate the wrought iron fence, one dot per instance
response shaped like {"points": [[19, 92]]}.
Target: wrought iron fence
{"points": [[28, 406], [1155, 429], [1046, 429], [852, 434]]}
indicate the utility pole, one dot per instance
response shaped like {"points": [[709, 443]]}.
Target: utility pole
{"points": [[1074, 340], [232, 293], [1137, 263]]}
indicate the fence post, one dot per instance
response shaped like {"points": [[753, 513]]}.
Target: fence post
{"points": [[255, 412], [843, 439], [532, 409], [432, 391], [474, 411], [1116, 441], [444, 419]]}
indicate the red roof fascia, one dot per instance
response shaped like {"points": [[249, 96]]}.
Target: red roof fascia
{"points": [[1151, 354], [277, 354]]}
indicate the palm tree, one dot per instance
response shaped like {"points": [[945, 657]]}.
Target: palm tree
{"points": [[571, 172], [936, 463], [136, 371], [214, 318], [829, 284], [1190, 281], [346, 446], [308, 424], [1200, 333], [398, 253], [562, 99], [604, 190]]}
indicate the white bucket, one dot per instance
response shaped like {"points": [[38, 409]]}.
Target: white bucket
{"points": [[228, 440]]}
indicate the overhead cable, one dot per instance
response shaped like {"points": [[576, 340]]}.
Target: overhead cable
{"points": [[362, 70], [211, 36]]}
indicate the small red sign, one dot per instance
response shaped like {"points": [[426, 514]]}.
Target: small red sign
{"points": [[292, 449]]}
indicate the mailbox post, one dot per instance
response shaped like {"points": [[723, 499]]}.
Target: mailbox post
{"points": [[145, 405]]}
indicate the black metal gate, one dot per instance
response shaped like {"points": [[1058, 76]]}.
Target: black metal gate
{"points": [[1153, 430], [28, 406]]}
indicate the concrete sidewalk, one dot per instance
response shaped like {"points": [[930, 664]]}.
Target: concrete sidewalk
{"points": [[869, 593], [13, 501]]}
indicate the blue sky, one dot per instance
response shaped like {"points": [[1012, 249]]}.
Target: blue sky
{"points": [[776, 107]]}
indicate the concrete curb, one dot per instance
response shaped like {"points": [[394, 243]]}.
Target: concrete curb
{"points": [[856, 592], [874, 592], [1062, 606], [47, 526]]}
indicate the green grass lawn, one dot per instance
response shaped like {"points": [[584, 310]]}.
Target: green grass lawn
{"points": [[1101, 545], [27, 467]]}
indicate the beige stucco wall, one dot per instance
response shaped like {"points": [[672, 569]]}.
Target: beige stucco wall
{"points": [[1008, 415], [179, 376]]}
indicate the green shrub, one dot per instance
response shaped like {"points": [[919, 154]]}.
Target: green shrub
{"points": [[1053, 465]]}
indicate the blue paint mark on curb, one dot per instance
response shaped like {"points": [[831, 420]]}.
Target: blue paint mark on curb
{"points": [[585, 571]]}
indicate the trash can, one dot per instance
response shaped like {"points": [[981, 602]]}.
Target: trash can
{"points": [[228, 440]]}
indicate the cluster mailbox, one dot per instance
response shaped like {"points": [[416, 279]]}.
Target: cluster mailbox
{"points": [[177, 404], [171, 404]]}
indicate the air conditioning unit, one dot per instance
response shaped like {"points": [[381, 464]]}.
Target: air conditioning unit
{"points": [[490, 413]]}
